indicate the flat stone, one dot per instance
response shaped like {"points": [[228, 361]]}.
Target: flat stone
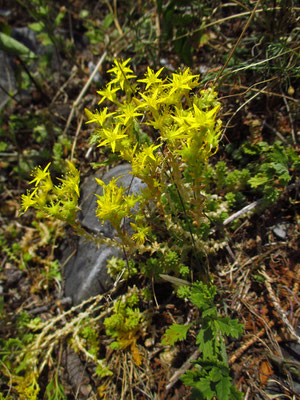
{"points": [[86, 271], [85, 274]]}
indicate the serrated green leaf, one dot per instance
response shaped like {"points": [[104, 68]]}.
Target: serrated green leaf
{"points": [[189, 378], [223, 388], [258, 180], [229, 326], [209, 312], [280, 169], [206, 342], [202, 297], [175, 333], [215, 374], [204, 385], [235, 394]]}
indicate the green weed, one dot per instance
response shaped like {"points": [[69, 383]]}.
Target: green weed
{"points": [[211, 375]]}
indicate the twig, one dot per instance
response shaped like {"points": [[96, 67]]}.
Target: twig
{"points": [[290, 118], [241, 106], [114, 12], [278, 307], [247, 89], [261, 62], [36, 84], [182, 370], [230, 17], [237, 42], [276, 132], [76, 136], [248, 344], [82, 93], [62, 88], [254, 205], [241, 212]]}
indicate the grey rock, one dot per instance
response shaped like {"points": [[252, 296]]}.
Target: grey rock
{"points": [[280, 230], [26, 36], [86, 272], [7, 79], [85, 275]]}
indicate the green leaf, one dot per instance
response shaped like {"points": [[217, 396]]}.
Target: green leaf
{"points": [[3, 146], [204, 385], [258, 180], [206, 341], [45, 38], [175, 333], [215, 374], [202, 296], [14, 48], [60, 16], [37, 26], [189, 378], [235, 394], [229, 326], [210, 312], [108, 20], [223, 388]]}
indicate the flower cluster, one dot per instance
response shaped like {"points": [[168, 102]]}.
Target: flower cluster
{"points": [[58, 201], [165, 129], [183, 121], [114, 204], [158, 125]]}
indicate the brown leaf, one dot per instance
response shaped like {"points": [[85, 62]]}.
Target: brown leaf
{"points": [[265, 371]]}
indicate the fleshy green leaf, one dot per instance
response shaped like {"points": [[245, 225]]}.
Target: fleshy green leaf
{"points": [[37, 26], [14, 48]]}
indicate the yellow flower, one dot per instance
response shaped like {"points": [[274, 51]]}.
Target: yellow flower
{"points": [[47, 184], [128, 113], [99, 117], [153, 100], [26, 202], [148, 152], [122, 73], [71, 182], [110, 203], [174, 133], [111, 136], [141, 233], [160, 121], [151, 77], [183, 80], [40, 174], [108, 93]]}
